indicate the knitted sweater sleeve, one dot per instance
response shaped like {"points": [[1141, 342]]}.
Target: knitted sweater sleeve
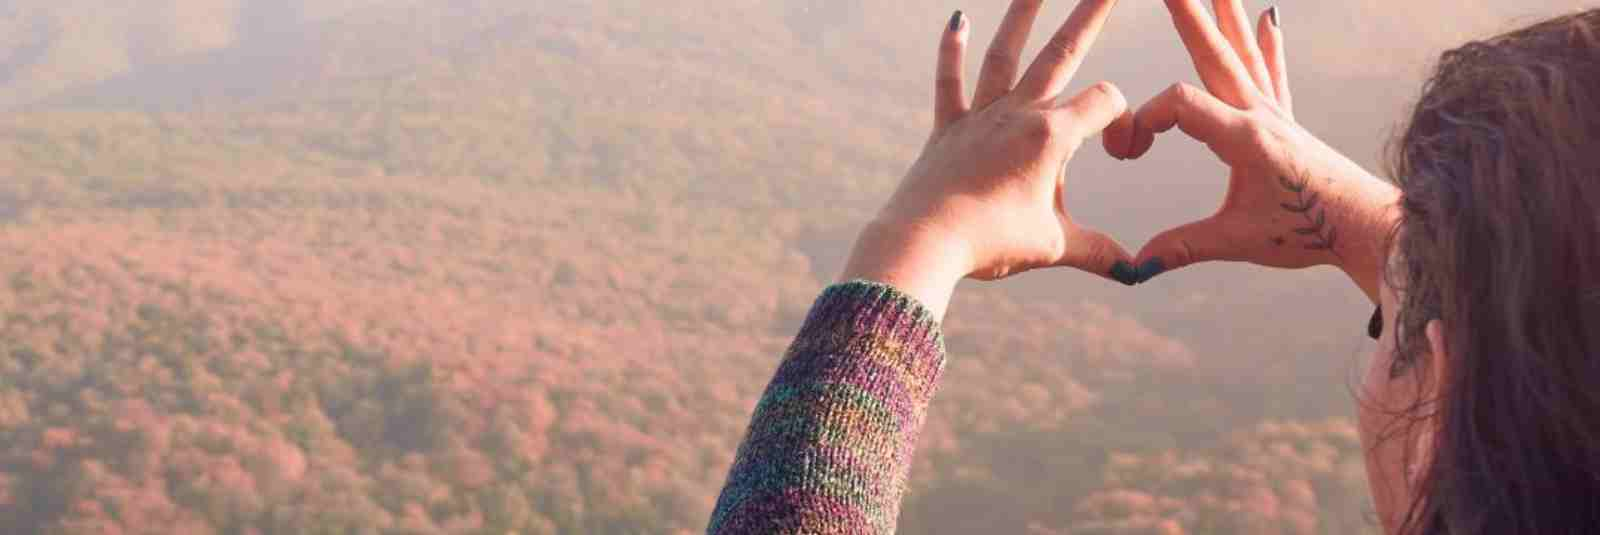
{"points": [[831, 441]]}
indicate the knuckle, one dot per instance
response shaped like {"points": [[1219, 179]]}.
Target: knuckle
{"points": [[1107, 93], [1185, 92], [999, 59], [1040, 127], [1095, 254], [1256, 134], [1177, 256], [1188, 253], [1061, 48], [1102, 89]]}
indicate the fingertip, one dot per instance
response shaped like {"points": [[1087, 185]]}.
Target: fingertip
{"points": [[953, 42], [1272, 47], [1143, 140], [1151, 269], [1114, 149], [1097, 252], [1120, 136], [955, 34], [1124, 273], [1267, 30]]}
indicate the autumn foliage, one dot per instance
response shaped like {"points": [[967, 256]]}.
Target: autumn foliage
{"points": [[488, 278]]}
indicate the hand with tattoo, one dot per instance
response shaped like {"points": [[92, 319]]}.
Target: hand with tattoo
{"points": [[1292, 201]]}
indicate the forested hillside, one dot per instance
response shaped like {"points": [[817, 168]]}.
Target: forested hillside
{"points": [[486, 266]]}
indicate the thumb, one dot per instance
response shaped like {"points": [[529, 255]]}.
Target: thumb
{"points": [[1121, 136], [1188, 108], [1096, 109], [1095, 252], [1200, 241]]}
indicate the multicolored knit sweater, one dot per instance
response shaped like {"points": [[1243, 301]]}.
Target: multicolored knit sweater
{"points": [[831, 441]]}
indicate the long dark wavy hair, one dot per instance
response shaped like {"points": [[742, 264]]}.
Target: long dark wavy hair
{"points": [[1500, 239]]}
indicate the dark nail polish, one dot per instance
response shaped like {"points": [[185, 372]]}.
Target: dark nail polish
{"points": [[1272, 15], [955, 21], [1151, 269], [1125, 273]]}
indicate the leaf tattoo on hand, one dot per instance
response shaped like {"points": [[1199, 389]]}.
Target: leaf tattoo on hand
{"points": [[1308, 204]]}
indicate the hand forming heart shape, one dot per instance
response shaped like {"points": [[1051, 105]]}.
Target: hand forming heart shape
{"points": [[984, 199], [1292, 201]]}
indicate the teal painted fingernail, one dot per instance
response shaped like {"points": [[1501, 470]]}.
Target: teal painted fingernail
{"points": [[1125, 273], [1151, 269], [1273, 15], [955, 21]]}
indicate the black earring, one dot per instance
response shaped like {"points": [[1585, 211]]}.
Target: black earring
{"points": [[1375, 326]]}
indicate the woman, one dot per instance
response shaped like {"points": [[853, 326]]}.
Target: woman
{"points": [[1477, 415]]}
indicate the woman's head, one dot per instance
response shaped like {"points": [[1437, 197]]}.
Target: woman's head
{"points": [[1493, 327]]}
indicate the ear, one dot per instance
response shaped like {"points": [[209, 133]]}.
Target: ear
{"points": [[1432, 391]]}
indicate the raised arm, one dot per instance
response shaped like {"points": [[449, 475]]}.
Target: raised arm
{"points": [[1293, 201], [831, 442]]}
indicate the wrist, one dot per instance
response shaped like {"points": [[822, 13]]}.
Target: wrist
{"points": [[1370, 209], [923, 261]]}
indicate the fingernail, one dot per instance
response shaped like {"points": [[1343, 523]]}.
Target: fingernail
{"points": [[1125, 273], [955, 21], [1151, 269], [1272, 14]]}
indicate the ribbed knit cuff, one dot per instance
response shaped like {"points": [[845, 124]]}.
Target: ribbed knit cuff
{"points": [[870, 318], [831, 442]]}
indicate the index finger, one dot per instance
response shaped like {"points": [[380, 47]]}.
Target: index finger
{"points": [[998, 76], [1235, 26], [1060, 59], [1219, 67]]}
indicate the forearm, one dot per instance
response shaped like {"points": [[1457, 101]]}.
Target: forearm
{"points": [[922, 262], [831, 441]]}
